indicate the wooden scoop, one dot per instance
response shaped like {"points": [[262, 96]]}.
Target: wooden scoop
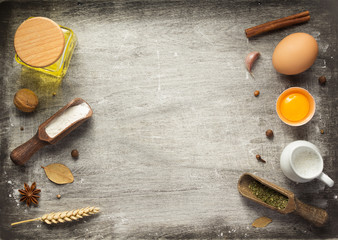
{"points": [[24, 152], [315, 215]]}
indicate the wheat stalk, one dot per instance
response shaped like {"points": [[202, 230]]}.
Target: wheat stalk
{"points": [[61, 217]]}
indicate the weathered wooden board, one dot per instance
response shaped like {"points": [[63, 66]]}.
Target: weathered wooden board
{"points": [[175, 121]]}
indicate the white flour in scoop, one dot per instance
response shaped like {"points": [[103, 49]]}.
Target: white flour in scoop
{"points": [[306, 163], [69, 116]]}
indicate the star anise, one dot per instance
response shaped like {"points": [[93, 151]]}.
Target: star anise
{"points": [[29, 194]]}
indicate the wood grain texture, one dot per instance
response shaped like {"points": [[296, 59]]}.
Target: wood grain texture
{"points": [[21, 154], [39, 42], [314, 215], [174, 124]]}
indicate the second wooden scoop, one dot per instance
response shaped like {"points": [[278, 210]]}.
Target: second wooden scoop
{"points": [[315, 215], [24, 152]]}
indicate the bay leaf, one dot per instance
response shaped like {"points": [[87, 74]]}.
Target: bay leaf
{"points": [[58, 173], [261, 222]]}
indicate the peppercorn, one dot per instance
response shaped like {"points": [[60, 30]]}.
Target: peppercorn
{"points": [[256, 93], [322, 80], [321, 131], [21, 128], [75, 153], [58, 196], [269, 133]]}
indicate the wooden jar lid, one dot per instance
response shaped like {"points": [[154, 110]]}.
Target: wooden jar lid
{"points": [[39, 42]]}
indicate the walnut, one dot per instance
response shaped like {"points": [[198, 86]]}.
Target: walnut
{"points": [[25, 100]]}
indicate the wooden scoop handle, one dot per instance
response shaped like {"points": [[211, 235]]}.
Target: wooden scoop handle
{"points": [[315, 215], [24, 152]]}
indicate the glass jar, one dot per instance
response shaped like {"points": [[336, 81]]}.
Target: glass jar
{"points": [[44, 46]]}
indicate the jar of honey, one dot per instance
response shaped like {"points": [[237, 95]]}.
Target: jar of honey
{"points": [[43, 45]]}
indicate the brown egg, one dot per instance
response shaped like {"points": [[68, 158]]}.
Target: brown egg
{"points": [[295, 53]]}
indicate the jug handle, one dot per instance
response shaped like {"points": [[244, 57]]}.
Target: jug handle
{"points": [[326, 179]]}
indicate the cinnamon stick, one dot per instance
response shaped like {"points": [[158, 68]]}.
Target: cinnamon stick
{"points": [[277, 24]]}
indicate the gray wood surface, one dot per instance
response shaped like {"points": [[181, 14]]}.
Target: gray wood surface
{"points": [[175, 121]]}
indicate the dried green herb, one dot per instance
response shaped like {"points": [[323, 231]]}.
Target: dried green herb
{"points": [[268, 195]]}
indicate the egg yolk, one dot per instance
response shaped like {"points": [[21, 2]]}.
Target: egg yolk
{"points": [[295, 107]]}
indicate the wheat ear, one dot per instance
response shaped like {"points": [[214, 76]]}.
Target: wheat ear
{"points": [[61, 217]]}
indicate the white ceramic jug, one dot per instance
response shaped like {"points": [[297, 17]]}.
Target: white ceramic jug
{"points": [[301, 162]]}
